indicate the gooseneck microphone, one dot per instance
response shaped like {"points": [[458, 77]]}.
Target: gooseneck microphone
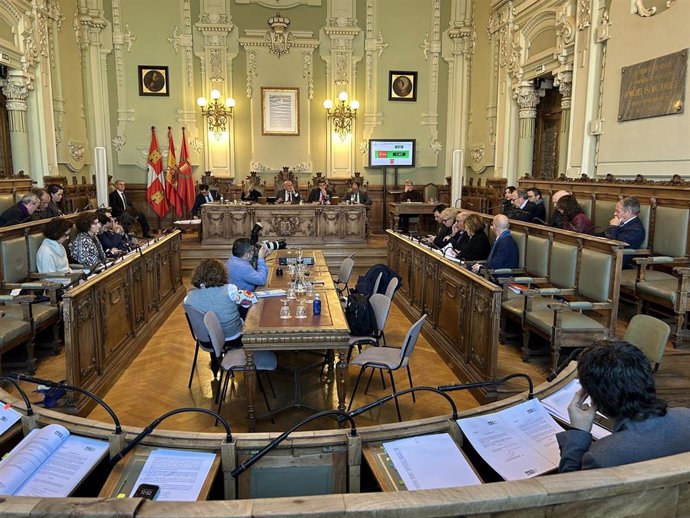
{"points": [[25, 398]]}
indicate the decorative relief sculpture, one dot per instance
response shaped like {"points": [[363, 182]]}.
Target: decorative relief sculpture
{"points": [[639, 9], [76, 151], [585, 14], [477, 153], [279, 37]]}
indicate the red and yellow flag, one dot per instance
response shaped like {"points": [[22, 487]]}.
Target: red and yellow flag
{"points": [[171, 177], [185, 182], [155, 193]]}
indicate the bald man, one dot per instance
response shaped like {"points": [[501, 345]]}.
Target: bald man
{"points": [[556, 216], [504, 252]]}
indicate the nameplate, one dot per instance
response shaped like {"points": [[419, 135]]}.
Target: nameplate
{"points": [[653, 88]]}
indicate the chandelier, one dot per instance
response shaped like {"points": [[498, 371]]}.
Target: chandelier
{"points": [[342, 114], [216, 113]]}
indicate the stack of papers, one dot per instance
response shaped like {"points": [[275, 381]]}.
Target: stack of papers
{"points": [[557, 405], [7, 417], [270, 293]]}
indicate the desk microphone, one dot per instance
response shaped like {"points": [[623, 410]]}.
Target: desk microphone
{"points": [[147, 431], [344, 416], [490, 383], [27, 403]]}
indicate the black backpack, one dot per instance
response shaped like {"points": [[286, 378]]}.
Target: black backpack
{"points": [[365, 283], [360, 315]]}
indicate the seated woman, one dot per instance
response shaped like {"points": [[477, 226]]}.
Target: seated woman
{"points": [[212, 292], [86, 248], [618, 378], [249, 193], [477, 246], [52, 256], [573, 218]]}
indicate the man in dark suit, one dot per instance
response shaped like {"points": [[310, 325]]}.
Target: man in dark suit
{"points": [[20, 212], [539, 210], [357, 196], [320, 194], [205, 196], [627, 227], [523, 209], [288, 194], [504, 252], [119, 203]]}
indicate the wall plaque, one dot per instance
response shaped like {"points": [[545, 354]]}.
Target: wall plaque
{"points": [[654, 88]]}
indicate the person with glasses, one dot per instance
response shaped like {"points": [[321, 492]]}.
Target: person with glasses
{"points": [[52, 256], [441, 231], [20, 212], [538, 210], [86, 249]]}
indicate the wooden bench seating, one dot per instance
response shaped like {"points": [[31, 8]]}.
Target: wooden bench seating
{"points": [[572, 281]]}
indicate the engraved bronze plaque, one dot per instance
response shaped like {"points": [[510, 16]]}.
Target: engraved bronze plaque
{"points": [[654, 88]]}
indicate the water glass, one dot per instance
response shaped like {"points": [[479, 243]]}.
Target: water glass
{"points": [[310, 290], [301, 311], [285, 311], [291, 293]]}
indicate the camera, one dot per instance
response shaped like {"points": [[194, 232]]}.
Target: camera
{"points": [[272, 246]]}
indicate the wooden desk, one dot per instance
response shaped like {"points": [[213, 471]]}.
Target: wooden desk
{"points": [[126, 472], [307, 224], [414, 208], [265, 331]]}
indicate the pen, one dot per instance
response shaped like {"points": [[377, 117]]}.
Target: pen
{"points": [[119, 493]]}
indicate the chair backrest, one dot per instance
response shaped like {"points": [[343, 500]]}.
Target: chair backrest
{"points": [[215, 332], [381, 304], [411, 339], [346, 270], [376, 284], [390, 289], [430, 191], [195, 318], [649, 334]]}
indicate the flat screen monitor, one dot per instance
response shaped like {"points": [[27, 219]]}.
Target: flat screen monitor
{"points": [[391, 152]]}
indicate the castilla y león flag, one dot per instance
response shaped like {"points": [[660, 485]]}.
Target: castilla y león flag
{"points": [[185, 182], [155, 194]]}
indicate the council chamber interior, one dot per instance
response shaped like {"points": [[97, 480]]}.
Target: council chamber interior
{"points": [[402, 107]]}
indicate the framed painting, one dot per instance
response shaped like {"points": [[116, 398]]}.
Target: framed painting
{"points": [[279, 111], [153, 80], [402, 86]]}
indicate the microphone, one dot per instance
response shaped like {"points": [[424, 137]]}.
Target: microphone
{"points": [[27, 403], [490, 383], [61, 384], [147, 431], [555, 372], [383, 400], [275, 442]]}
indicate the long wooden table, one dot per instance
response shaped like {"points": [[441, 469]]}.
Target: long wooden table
{"points": [[306, 224], [265, 331]]}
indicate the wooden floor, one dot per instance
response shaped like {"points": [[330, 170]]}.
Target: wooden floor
{"points": [[156, 381]]}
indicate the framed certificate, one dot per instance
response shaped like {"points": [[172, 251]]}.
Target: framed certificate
{"points": [[279, 111]]}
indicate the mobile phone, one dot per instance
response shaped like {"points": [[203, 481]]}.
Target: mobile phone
{"points": [[148, 491]]}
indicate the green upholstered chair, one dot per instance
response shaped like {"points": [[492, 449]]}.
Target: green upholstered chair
{"points": [[649, 334]]}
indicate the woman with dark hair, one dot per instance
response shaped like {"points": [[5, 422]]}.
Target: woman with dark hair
{"points": [[56, 192], [573, 217], [212, 292], [86, 248], [52, 256], [618, 378], [477, 246]]}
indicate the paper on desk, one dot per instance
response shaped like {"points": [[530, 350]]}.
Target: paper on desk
{"points": [[269, 293], [188, 222], [430, 462], [557, 405], [517, 442], [179, 474], [8, 417]]}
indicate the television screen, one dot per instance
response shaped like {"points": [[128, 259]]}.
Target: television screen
{"points": [[391, 152]]}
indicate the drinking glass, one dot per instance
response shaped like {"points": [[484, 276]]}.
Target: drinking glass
{"points": [[301, 311], [291, 293], [285, 310]]}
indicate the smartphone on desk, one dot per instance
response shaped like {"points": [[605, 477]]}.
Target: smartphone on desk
{"points": [[148, 491]]}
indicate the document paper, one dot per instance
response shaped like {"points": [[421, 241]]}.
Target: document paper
{"points": [[557, 405], [518, 442], [49, 462], [8, 417], [179, 474], [430, 462]]}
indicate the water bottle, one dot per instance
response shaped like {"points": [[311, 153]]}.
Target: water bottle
{"points": [[317, 305]]}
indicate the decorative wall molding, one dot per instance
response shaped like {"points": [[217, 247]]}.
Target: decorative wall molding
{"points": [[183, 41], [527, 99], [75, 160], [477, 153], [307, 73], [431, 47], [584, 14], [76, 151], [565, 34], [279, 38], [639, 9], [122, 42], [119, 142], [280, 4]]}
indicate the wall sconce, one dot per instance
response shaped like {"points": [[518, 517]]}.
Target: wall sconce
{"points": [[342, 115], [216, 113]]}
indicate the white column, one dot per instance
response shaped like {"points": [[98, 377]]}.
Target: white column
{"points": [[564, 82], [16, 89], [527, 99]]}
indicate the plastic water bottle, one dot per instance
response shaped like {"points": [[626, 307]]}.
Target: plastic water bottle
{"points": [[317, 305]]}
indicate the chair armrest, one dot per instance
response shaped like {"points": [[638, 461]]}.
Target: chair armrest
{"points": [[654, 259], [637, 251], [36, 285], [18, 299], [579, 305], [549, 292], [522, 280]]}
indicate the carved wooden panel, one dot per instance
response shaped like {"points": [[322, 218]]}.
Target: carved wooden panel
{"points": [[176, 264], [354, 224], [417, 279], [330, 224], [138, 283], [151, 281], [452, 304], [482, 324], [115, 314], [165, 274], [238, 224], [214, 224], [431, 267], [405, 256], [81, 337]]}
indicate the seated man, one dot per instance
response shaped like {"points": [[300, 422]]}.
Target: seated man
{"points": [[288, 194], [356, 195], [523, 209], [618, 378], [539, 210], [504, 252], [408, 194], [320, 194], [442, 230], [119, 203], [113, 244], [241, 272], [42, 211], [204, 196], [20, 212], [626, 226]]}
